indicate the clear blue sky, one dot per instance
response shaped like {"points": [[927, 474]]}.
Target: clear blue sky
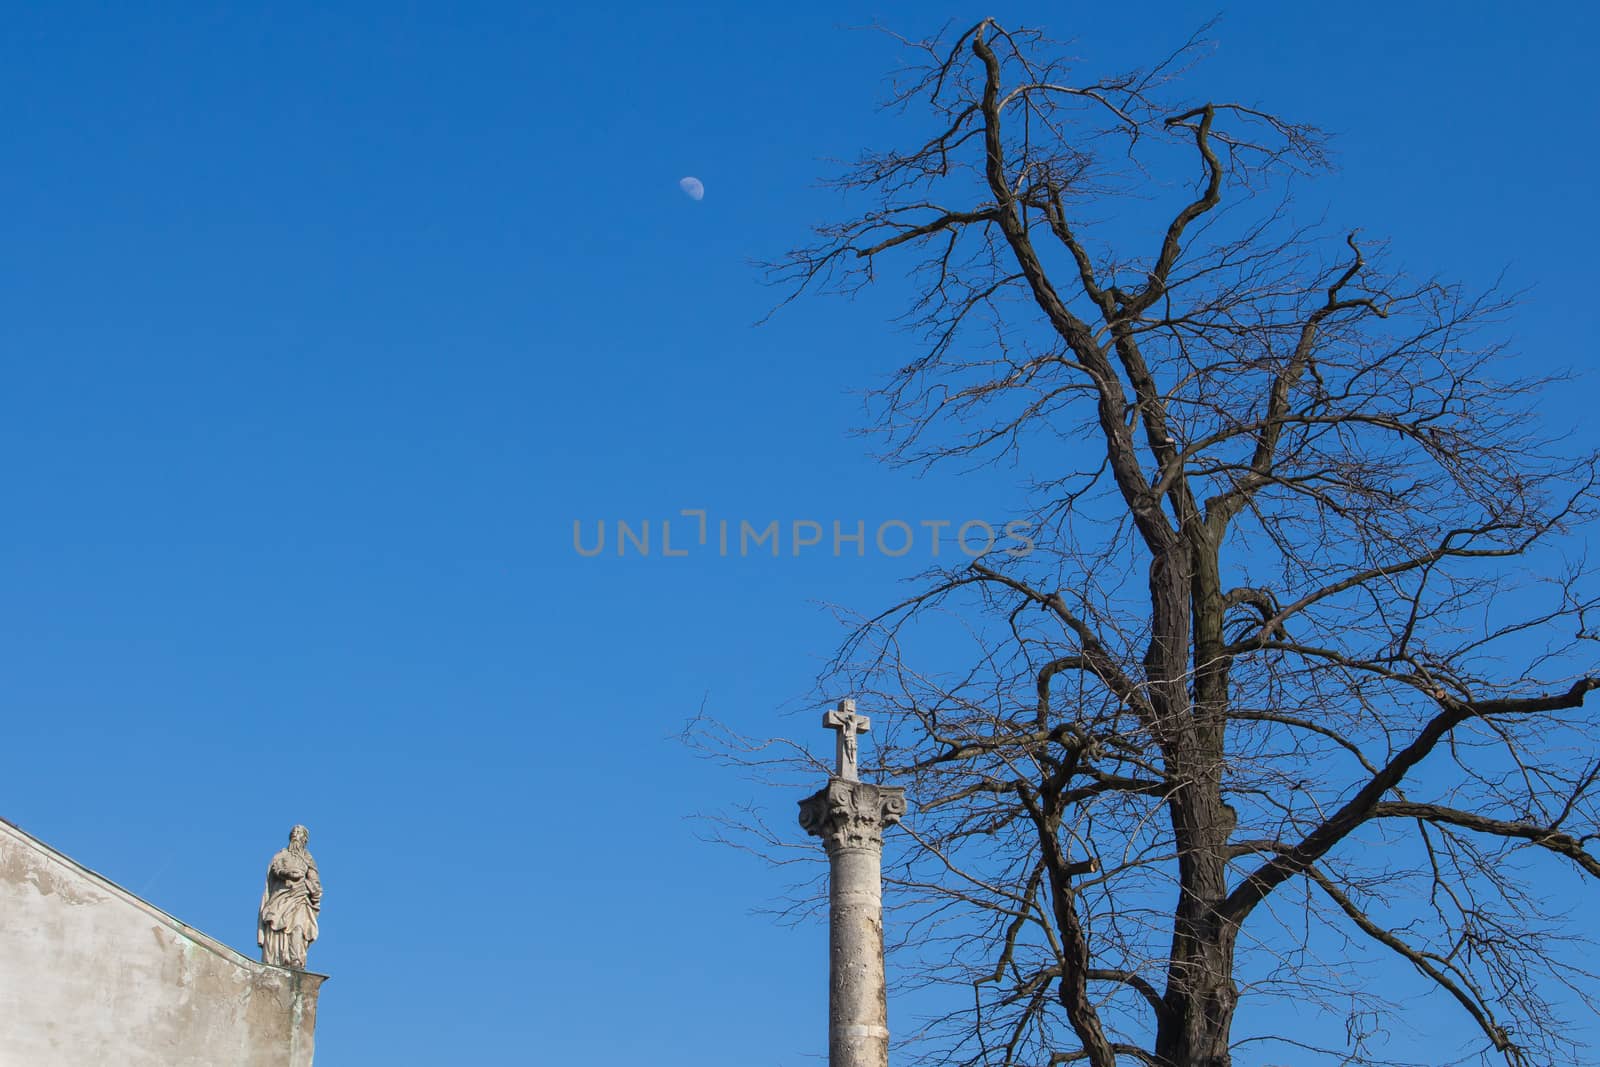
{"points": [[321, 324]]}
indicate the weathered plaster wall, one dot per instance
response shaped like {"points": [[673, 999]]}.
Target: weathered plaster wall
{"points": [[91, 975]]}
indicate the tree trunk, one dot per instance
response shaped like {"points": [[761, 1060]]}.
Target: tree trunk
{"points": [[1201, 995]]}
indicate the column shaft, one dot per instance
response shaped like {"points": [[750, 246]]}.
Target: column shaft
{"points": [[858, 1009], [850, 817]]}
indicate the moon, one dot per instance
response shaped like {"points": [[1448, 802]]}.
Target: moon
{"points": [[693, 188]]}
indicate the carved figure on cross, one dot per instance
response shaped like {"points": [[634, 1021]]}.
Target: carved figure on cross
{"points": [[846, 724]]}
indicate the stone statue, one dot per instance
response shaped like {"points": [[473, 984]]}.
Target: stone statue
{"points": [[289, 905]]}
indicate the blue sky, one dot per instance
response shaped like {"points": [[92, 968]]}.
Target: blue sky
{"points": [[321, 325]]}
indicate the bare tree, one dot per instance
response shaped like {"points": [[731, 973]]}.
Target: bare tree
{"points": [[1293, 682]]}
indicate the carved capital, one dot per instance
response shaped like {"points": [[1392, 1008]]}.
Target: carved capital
{"points": [[852, 814]]}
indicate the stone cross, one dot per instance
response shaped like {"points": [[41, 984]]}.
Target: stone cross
{"points": [[846, 724]]}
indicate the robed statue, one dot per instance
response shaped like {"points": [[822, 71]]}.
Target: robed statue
{"points": [[289, 904]]}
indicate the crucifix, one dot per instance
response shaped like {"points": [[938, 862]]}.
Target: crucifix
{"points": [[845, 723]]}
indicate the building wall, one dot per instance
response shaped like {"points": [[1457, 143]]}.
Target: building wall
{"points": [[91, 975]]}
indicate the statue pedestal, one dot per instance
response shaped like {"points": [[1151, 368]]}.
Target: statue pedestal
{"points": [[850, 817]]}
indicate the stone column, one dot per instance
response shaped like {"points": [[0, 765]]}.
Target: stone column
{"points": [[850, 817]]}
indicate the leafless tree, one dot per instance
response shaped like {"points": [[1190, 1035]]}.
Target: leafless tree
{"points": [[1293, 682]]}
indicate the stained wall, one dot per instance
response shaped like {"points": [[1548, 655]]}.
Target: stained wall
{"points": [[91, 975]]}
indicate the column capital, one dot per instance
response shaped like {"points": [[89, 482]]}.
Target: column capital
{"points": [[849, 814]]}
